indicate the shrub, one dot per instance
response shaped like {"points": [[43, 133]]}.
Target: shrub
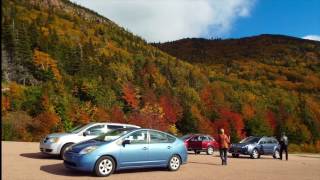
{"points": [[16, 126]]}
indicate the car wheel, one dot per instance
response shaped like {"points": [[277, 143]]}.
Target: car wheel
{"points": [[276, 154], [64, 148], [196, 152], [255, 154], [104, 166], [210, 150], [174, 163], [235, 155]]}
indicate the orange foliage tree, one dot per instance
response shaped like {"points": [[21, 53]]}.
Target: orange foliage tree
{"points": [[45, 122], [45, 62]]}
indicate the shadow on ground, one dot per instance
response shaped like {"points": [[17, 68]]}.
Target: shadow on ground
{"points": [[214, 164], [59, 169], [309, 156], [39, 156]]}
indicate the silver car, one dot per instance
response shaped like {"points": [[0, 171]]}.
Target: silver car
{"points": [[256, 146], [57, 143]]}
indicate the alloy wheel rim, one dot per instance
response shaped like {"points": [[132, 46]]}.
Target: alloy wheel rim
{"points": [[255, 154], [277, 154], [210, 150], [105, 167], [174, 163]]}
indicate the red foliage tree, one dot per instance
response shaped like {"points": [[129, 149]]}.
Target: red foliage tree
{"points": [[230, 119], [171, 108], [117, 115], [130, 95], [206, 98], [5, 104], [271, 120]]}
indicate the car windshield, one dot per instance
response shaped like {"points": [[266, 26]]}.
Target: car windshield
{"points": [[250, 140], [112, 135], [185, 137], [78, 128]]}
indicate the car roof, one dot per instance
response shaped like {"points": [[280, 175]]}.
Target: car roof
{"points": [[148, 129], [260, 137], [110, 123]]}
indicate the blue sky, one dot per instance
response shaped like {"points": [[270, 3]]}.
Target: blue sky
{"points": [[168, 20], [290, 17]]}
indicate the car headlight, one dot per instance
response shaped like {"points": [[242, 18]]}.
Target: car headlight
{"points": [[88, 149], [53, 140], [69, 148]]}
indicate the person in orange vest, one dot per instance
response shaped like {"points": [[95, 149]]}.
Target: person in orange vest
{"points": [[223, 141]]}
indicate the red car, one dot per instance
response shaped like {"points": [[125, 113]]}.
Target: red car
{"points": [[200, 143]]}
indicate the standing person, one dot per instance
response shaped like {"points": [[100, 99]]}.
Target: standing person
{"points": [[223, 141], [284, 145]]}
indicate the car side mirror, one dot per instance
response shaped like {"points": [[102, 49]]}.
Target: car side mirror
{"points": [[126, 141], [86, 133]]}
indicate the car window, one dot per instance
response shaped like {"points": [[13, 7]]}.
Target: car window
{"points": [[250, 140], [211, 138], [196, 138], [185, 137], [138, 137], [263, 141], [269, 141], [158, 137], [114, 127], [205, 138], [96, 130], [274, 141]]}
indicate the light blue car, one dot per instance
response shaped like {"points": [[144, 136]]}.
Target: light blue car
{"points": [[126, 149]]}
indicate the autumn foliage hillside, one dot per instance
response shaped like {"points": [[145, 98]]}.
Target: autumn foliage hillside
{"points": [[65, 65]]}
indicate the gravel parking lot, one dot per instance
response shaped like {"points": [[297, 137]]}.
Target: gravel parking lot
{"points": [[22, 160]]}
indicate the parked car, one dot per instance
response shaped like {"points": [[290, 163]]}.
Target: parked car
{"points": [[200, 143], [256, 146], [56, 144], [126, 149]]}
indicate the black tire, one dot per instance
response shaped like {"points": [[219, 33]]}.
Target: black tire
{"points": [[63, 149], [235, 155], [196, 152], [276, 154], [174, 163], [105, 166], [255, 154], [210, 150]]}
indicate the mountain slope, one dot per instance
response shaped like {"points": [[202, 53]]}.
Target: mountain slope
{"points": [[65, 65], [277, 60], [264, 48]]}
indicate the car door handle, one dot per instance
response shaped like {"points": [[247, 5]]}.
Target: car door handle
{"points": [[169, 147], [144, 148]]}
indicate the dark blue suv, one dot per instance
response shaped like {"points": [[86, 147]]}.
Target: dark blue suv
{"points": [[256, 146]]}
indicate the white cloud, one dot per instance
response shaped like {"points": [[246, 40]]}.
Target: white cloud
{"points": [[167, 20], [312, 37]]}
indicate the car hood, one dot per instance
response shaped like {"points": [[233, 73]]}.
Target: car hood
{"points": [[240, 144], [93, 142], [59, 135]]}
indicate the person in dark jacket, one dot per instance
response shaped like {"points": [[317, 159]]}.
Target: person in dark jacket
{"points": [[284, 145], [223, 141]]}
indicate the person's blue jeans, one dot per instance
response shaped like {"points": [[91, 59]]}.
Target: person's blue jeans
{"points": [[223, 155]]}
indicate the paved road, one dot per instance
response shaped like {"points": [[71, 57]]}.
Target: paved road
{"points": [[21, 160]]}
